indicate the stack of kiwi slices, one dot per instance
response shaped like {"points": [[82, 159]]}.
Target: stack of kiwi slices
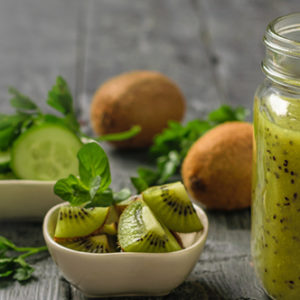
{"points": [[143, 223]]}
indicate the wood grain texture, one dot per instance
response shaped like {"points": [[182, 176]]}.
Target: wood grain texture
{"points": [[210, 48]]}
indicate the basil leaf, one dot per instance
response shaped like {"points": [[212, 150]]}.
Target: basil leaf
{"points": [[93, 162]]}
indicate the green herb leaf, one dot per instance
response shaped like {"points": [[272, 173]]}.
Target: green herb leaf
{"points": [[102, 199], [121, 136], [93, 162], [60, 98], [226, 113], [121, 195], [14, 267], [139, 183], [21, 102], [23, 273], [91, 188], [73, 190]]}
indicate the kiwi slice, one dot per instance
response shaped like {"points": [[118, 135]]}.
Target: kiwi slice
{"points": [[111, 229], [75, 222], [121, 206], [92, 244], [140, 231], [173, 207]]}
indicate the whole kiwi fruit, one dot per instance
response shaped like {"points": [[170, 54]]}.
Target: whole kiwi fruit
{"points": [[144, 98], [217, 169]]}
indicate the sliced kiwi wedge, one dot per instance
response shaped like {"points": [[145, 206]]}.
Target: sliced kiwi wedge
{"points": [[173, 207], [91, 244], [121, 206], [76, 222], [140, 231]]}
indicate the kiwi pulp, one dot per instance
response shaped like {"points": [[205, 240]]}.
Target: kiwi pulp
{"points": [[173, 207], [140, 231], [91, 244], [75, 222]]}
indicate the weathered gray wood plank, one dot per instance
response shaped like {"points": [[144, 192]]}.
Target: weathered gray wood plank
{"points": [[38, 41], [234, 32]]}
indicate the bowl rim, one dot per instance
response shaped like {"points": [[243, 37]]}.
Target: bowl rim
{"points": [[199, 241], [26, 182]]}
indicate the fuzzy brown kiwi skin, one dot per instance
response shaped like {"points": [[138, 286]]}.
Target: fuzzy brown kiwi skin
{"points": [[75, 239], [217, 170], [144, 98]]}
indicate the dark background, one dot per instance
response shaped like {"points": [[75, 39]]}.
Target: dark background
{"points": [[211, 48]]}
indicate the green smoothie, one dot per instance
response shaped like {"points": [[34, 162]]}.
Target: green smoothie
{"points": [[276, 200]]}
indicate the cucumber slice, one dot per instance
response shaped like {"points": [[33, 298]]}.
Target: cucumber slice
{"points": [[45, 152], [4, 161]]}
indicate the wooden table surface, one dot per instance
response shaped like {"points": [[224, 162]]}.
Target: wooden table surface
{"points": [[211, 48]]}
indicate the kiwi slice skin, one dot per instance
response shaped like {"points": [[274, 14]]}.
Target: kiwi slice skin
{"points": [[91, 244], [76, 222], [173, 207], [140, 231]]}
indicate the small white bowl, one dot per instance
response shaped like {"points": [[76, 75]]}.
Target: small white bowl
{"points": [[125, 273], [26, 199]]}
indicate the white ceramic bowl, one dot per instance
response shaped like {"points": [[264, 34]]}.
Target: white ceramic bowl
{"points": [[125, 274], [26, 199]]}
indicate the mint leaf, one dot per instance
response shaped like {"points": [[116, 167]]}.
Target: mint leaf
{"points": [[13, 266], [21, 102], [226, 113], [121, 195], [139, 183], [60, 98], [93, 162], [121, 136], [73, 190], [23, 273], [148, 175], [102, 199]]}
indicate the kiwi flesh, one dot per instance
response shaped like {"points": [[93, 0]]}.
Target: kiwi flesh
{"points": [[120, 206], [173, 207], [91, 244], [140, 231], [76, 222], [111, 229]]}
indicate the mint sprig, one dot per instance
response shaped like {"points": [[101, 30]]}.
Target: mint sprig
{"points": [[91, 188], [172, 145], [13, 267]]}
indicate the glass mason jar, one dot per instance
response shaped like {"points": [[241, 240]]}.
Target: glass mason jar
{"points": [[275, 236]]}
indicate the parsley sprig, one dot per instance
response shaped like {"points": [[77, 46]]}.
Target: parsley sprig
{"points": [[171, 146], [91, 188], [13, 266], [27, 114]]}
